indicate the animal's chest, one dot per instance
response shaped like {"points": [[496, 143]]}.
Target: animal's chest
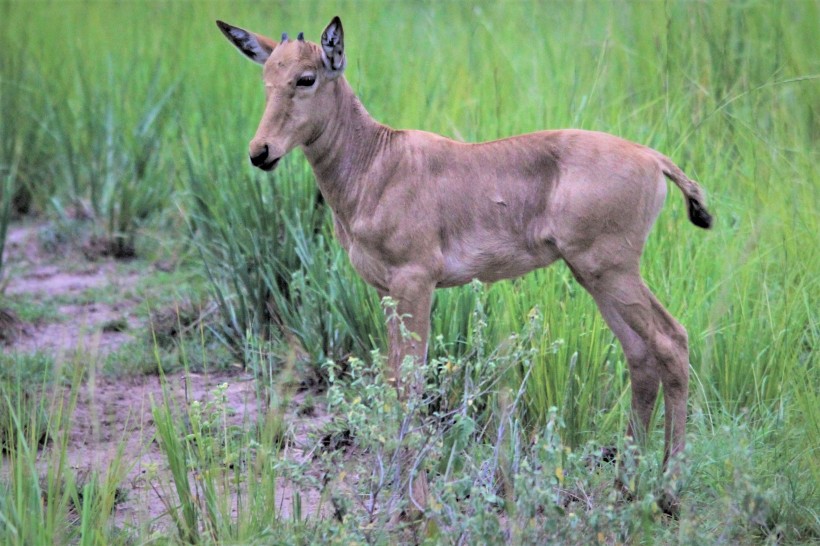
{"points": [[372, 269], [366, 260]]}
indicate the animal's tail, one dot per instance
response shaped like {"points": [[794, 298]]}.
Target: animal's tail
{"points": [[693, 193]]}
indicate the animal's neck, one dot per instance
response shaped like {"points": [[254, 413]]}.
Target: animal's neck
{"points": [[344, 150]]}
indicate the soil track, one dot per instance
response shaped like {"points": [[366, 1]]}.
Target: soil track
{"points": [[38, 277]]}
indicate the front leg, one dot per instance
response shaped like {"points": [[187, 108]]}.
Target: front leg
{"points": [[408, 325]]}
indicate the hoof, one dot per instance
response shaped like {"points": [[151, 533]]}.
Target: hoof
{"points": [[624, 491], [670, 505], [609, 454], [606, 455]]}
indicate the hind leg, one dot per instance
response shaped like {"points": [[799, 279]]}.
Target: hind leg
{"points": [[627, 298], [644, 373], [655, 345]]}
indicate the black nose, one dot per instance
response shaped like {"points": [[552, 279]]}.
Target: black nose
{"points": [[260, 158]]}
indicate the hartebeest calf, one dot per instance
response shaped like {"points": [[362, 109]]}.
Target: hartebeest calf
{"points": [[416, 211]]}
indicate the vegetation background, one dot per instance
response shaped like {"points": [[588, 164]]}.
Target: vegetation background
{"points": [[124, 128]]}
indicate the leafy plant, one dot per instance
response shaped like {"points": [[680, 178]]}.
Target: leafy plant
{"points": [[223, 477]]}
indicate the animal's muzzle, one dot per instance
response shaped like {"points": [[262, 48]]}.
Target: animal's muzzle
{"points": [[261, 156], [263, 159], [259, 159]]}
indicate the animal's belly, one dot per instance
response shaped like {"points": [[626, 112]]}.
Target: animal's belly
{"points": [[489, 264]]}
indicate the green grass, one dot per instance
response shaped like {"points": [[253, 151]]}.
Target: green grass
{"points": [[142, 112]]}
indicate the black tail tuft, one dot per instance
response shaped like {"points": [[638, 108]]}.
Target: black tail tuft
{"points": [[699, 215]]}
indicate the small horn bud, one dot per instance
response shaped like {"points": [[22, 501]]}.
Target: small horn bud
{"points": [[284, 37], [301, 36]]}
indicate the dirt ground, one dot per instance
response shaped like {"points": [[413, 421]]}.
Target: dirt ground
{"points": [[115, 412]]}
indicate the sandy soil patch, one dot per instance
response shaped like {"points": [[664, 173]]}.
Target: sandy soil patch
{"points": [[115, 413], [38, 276]]}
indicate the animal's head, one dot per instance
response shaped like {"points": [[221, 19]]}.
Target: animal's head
{"points": [[299, 80]]}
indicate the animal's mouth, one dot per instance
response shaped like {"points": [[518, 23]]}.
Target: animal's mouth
{"points": [[270, 165]]}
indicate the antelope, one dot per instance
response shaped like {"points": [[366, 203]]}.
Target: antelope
{"points": [[416, 211]]}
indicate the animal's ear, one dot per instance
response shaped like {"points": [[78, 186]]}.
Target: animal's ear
{"points": [[254, 46], [333, 48]]}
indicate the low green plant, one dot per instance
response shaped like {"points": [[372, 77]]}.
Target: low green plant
{"points": [[224, 484], [23, 182], [493, 479], [23, 412], [7, 175], [44, 499], [108, 154], [489, 478], [10, 153]]}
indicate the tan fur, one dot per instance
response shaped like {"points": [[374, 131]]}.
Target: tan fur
{"points": [[416, 211]]}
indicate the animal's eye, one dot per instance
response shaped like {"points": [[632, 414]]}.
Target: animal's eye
{"points": [[306, 81]]}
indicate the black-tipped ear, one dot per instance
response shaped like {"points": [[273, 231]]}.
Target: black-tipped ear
{"points": [[333, 47], [254, 46]]}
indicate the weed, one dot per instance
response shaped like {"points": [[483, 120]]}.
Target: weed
{"points": [[222, 478]]}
